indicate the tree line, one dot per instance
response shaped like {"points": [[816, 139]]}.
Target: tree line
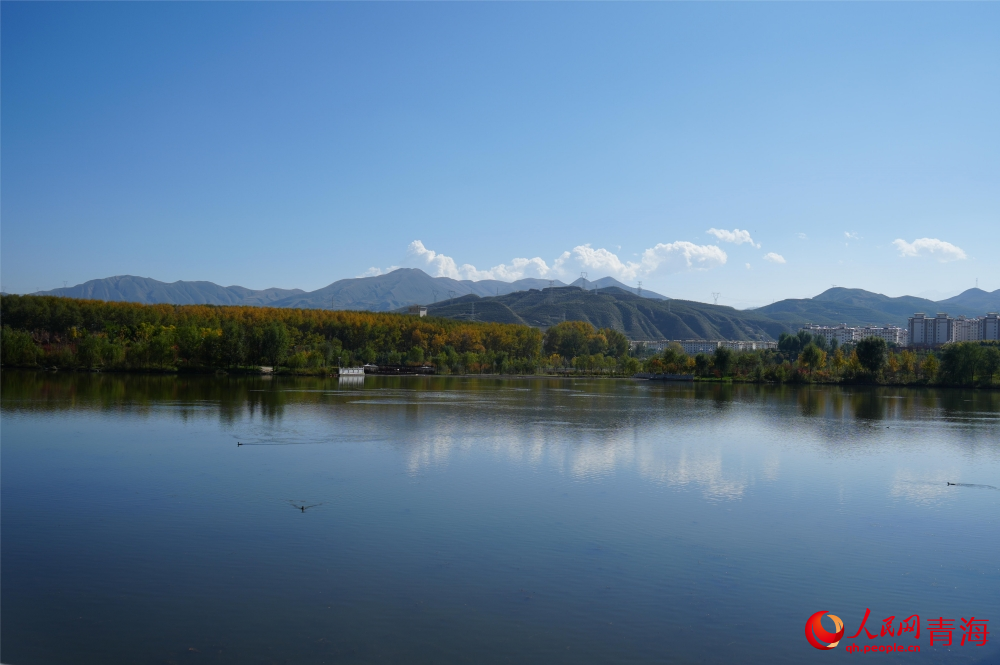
{"points": [[807, 358], [48, 331]]}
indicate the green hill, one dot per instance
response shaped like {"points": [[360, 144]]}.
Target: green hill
{"points": [[639, 318]]}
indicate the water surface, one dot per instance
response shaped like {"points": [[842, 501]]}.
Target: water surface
{"points": [[468, 520]]}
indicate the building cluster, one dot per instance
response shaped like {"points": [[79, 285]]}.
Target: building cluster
{"points": [[942, 329], [845, 334], [921, 331], [695, 346]]}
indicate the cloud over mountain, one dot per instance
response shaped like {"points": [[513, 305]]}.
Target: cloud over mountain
{"points": [[446, 266], [666, 257]]}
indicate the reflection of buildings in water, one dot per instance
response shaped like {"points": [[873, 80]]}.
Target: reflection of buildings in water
{"points": [[350, 381], [928, 487]]}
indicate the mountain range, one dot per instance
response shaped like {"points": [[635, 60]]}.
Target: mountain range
{"points": [[381, 293], [859, 307], [538, 302]]}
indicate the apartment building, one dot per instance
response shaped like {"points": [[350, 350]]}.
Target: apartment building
{"points": [[926, 331], [990, 326], [891, 334], [850, 334], [966, 330], [843, 333]]}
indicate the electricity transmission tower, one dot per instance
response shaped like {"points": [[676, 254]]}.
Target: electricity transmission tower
{"points": [[716, 295], [638, 289]]}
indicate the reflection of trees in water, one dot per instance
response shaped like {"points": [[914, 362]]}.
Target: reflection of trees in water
{"points": [[230, 397], [599, 403], [811, 402]]}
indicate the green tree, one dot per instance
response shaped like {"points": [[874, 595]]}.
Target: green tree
{"points": [[232, 347], [959, 363], [617, 342], [873, 354], [702, 363], [569, 339], [790, 345], [274, 344], [812, 357], [91, 350], [722, 360], [929, 368], [17, 348], [991, 363], [415, 356]]}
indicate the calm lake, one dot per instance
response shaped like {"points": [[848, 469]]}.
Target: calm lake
{"points": [[488, 520]]}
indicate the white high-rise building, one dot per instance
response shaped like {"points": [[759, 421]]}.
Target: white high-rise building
{"points": [[924, 331], [966, 330], [989, 326]]}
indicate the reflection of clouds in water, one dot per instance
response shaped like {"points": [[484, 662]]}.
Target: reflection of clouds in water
{"points": [[704, 469], [433, 451], [929, 487], [601, 457], [771, 467], [591, 454]]}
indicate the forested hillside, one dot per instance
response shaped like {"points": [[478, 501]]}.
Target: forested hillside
{"points": [[639, 318]]}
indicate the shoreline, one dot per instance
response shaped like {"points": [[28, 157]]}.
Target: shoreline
{"points": [[219, 373]]}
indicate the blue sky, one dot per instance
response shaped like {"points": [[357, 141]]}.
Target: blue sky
{"points": [[296, 144]]}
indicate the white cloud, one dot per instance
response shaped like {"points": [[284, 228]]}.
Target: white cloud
{"points": [[774, 258], [375, 272], [748, 266], [800, 236], [852, 235], [668, 257], [735, 236], [946, 250], [603, 259], [445, 266]]}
